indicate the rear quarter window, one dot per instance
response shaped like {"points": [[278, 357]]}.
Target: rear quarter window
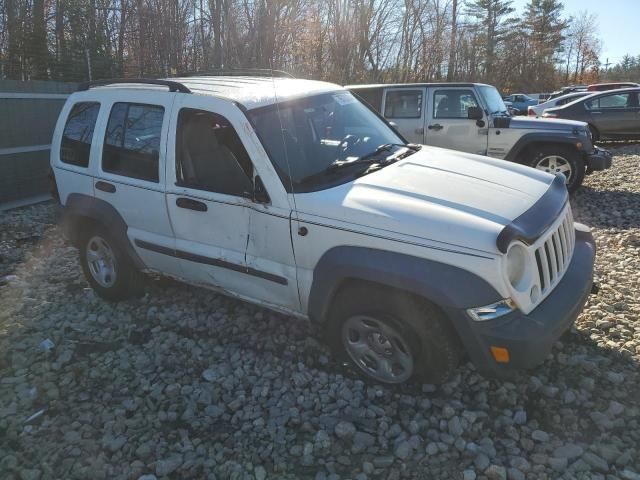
{"points": [[75, 146]]}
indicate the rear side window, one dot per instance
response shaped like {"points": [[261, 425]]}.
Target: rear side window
{"points": [[132, 141], [403, 104], [78, 132]]}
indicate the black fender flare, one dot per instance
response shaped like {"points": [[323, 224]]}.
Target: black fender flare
{"points": [[542, 138], [80, 206], [446, 286]]}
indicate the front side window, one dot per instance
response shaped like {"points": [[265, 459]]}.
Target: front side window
{"points": [[620, 100], [78, 132], [403, 104], [132, 142], [304, 137], [210, 155], [453, 103]]}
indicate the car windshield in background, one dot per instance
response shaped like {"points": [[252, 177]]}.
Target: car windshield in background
{"points": [[492, 99], [315, 132]]}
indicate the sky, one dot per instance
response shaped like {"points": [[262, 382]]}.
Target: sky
{"points": [[618, 22]]}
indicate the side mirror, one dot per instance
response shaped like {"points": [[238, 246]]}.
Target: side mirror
{"points": [[474, 113], [260, 194]]}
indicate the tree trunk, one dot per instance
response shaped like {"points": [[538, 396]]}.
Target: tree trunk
{"points": [[452, 44]]}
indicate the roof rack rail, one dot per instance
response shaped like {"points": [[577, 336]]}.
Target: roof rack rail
{"points": [[257, 72], [173, 86]]}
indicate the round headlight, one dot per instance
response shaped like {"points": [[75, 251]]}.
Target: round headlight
{"points": [[516, 264]]}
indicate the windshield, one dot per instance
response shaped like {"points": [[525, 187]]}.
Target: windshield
{"points": [[492, 99], [314, 132]]}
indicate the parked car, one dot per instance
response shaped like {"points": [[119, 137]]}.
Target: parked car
{"points": [[565, 90], [602, 87], [294, 195], [537, 110], [613, 114], [472, 117], [521, 102]]}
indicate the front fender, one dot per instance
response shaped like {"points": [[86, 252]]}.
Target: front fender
{"points": [[545, 138], [444, 285]]}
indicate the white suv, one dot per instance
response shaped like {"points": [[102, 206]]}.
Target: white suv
{"points": [[296, 196]]}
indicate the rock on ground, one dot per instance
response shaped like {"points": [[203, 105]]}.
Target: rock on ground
{"points": [[186, 383]]}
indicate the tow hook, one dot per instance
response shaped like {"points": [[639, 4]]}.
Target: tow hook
{"points": [[595, 288]]}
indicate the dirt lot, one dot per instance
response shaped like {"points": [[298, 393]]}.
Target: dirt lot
{"points": [[184, 383]]}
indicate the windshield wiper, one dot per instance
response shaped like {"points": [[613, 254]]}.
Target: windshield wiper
{"points": [[370, 157]]}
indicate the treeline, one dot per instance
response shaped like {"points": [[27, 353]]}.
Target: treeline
{"points": [[345, 41]]}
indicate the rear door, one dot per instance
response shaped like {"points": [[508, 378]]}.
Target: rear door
{"points": [[448, 125], [131, 175], [615, 113], [406, 108]]}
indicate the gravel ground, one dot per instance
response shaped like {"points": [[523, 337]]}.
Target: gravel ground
{"points": [[185, 383]]}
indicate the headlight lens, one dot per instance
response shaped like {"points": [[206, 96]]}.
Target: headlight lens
{"points": [[516, 264]]}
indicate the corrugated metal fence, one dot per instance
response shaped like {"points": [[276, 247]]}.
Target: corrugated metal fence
{"points": [[28, 114]]}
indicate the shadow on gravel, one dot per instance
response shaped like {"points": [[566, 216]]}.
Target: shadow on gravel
{"points": [[607, 209]]}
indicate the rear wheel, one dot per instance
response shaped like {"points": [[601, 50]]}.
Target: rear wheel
{"points": [[595, 135], [559, 160], [392, 337], [106, 267]]}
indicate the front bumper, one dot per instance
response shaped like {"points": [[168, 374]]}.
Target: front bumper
{"points": [[599, 159], [529, 338]]}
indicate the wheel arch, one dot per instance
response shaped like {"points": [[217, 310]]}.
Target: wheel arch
{"points": [[521, 150], [445, 286], [83, 211]]}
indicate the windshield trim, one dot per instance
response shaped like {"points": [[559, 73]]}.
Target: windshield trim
{"points": [[287, 182]]}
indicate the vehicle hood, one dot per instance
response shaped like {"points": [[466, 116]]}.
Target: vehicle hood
{"points": [[555, 124], [435, 194]]}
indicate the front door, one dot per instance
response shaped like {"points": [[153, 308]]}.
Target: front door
{"points": [[406, 108], [448, 125], [210, 198]]}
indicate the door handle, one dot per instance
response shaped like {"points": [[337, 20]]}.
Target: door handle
{"points": [[191, 204], [435, 126], [596, 113], [105, 186]]}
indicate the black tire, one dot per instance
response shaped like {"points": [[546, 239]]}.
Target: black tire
{"points": [[539, 158], [595, 134], [432, 343], [125, 281]]}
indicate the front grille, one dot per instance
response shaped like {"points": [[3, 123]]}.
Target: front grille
{"points": [[554, 253]]}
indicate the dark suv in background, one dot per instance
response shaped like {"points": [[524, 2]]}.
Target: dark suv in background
{"points": [[614, 114]]}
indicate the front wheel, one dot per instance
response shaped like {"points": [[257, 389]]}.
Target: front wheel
{"points": [[560, 161], [393, 337]]}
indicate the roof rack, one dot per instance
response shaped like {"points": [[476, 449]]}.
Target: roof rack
{"points": [[256, 72], [173, 86]]}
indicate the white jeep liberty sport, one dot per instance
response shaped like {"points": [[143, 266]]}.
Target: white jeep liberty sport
{"points": [[296, 196]]}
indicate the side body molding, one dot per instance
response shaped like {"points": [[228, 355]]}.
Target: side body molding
{"points": [[445, 285], [80, 206]]}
